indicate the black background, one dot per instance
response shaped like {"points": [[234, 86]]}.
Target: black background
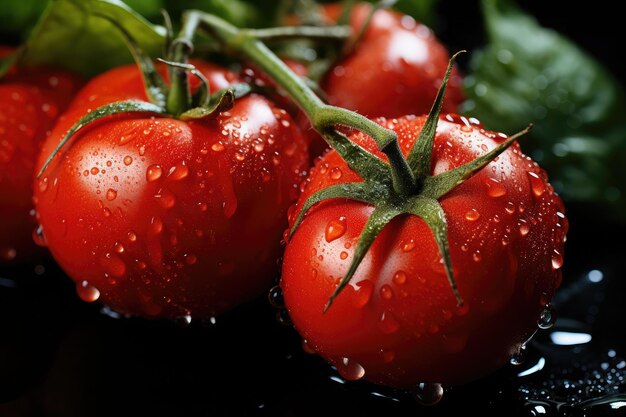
{"points": [[62, 357]]}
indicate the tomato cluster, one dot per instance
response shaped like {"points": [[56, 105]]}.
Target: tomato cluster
{"points": [[179, 214]]}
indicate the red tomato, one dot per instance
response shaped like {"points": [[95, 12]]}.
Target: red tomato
{"points": [[397, 322], [160, 217], [30, 101], [395, 69]]}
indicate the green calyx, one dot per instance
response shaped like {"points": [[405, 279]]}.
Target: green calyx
{"points": [[418, 196]]}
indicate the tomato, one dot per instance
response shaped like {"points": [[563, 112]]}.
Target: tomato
{"points": [[397, 322], [395, 68], [30, 101], [160, 217]]}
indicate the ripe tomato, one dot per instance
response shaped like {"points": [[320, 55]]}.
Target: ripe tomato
{"points": [[30, 101], [397, 322], [160, 217], [395, 69]]}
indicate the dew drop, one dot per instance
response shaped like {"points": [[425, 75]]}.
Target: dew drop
{"points": [[399, 278], [307, 348], [87, 292], [335, 229], [524, 228], [335, 173], [510, 207], [43, 185], [38, 236], [111, 194], [350, 369], [537, 185], [472, 215], [165, 199], [547, 319], [178, 172], [386, 292], [519, 357], [408, 246], [557, 259], [495, 189], [154, 172], [156, 225], [217, 147], [276, 297], [183, 321], [343, 255], [476, 256], [113, 265], [132, 236], [428, 393], [128, 160], [363, 293], [388, 323]]}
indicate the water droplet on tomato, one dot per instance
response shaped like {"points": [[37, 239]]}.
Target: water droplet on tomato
{"points": [[408, 246], [547, 319], [132, 236], [111, 194], [335, 173], [307, 348], [476, 256], [178, 172], [350, 369], [118, 247], [388, 324], [165, 199], [524, 228], [343, 255], [428, 393], [38, 236], [537, 185], [472, 215], [282, 316], [156, 225], [335, 229], [495, 189], [557, 259], [363, 293], [505, 240], [183, 321], [87, 292], [128, 160], [113, 265], [154, 172], [43, 184], [386, 292], [276, 297], [217, 147], [510, 207], [519, 357], [399, 278]]}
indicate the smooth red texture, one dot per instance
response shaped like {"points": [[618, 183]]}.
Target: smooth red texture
{"points": [[31, 99], [409, 329], [168, 218]]}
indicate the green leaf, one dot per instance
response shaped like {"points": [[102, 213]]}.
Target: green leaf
{"points": [[70, 35], [528, 73], [16, 16], [240, 13]]}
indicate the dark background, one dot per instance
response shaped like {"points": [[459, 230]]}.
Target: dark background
{"points": [[62, 357]]}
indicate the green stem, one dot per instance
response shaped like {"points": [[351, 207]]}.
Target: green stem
{"points": [[323, 117], [326, 33], [179, 96]]}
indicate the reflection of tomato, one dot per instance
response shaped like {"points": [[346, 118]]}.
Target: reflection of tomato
{"points": [[166, 218], [397, 323], [30, 101]]}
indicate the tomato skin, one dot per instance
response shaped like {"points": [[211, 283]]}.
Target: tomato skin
{"points": [[398, 318], [167, 218], [30, 101]]}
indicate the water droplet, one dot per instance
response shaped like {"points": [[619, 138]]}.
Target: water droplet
{"points": [[494, 188], [38, 236], [363, 293], [282, 317], [547, 319], [154, 172], [132, 236], [510, 207], [428, 393], [386, 292], [183, 321], [217, 147], [399, 278], [519, 357], [43, 184], [388, 323], [111, 194], [476, 256], [408, 246], [350, 369], [87, 292], [537, 185], [343, 255], [472, 215], [557, 259], [118, 247], [128, 160], [335, 173], [259, 146], [165, 199], [335, 229], [156, 225], [276, 297], [178, 172], [307, 348], [505, 240], [113, 265], [524, 228]]}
